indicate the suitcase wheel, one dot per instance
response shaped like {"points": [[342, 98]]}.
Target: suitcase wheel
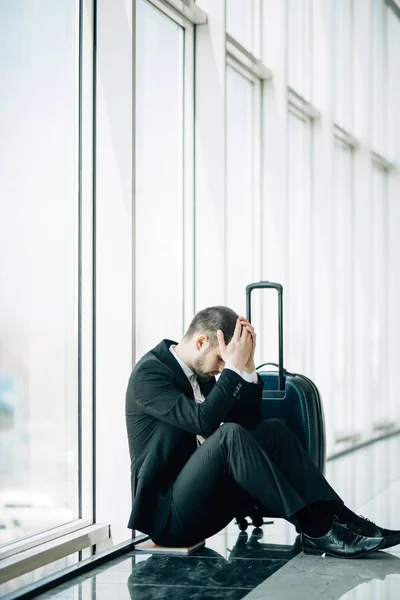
{"points": [[242, 523], [257, 521]]}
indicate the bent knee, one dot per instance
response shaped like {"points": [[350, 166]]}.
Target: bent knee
{"points": [[233, 428]]}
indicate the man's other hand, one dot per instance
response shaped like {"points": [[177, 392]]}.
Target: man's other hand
{"points": [[250, 365], [239, 350]]}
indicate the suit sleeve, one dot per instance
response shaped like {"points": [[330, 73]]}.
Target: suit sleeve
{"points": [[156, 394], [247, 409]]}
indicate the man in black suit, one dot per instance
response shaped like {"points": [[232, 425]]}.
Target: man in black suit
{"points": [[200, 450]]}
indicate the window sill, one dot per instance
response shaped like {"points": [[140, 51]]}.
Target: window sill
{"points": [[50, 551]]}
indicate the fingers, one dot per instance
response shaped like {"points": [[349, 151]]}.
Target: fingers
{"points": [[238, 330], [250, 329], [246, 341], [254, 339], [245, 323], [246, 338], [221, 340]]}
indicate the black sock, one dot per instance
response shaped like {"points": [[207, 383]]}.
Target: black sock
{"points": [[335, 507], [312, 521]]}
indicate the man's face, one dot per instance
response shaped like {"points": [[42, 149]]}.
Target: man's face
{"points": [[209, 363]]}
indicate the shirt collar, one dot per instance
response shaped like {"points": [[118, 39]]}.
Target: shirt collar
{"points": [[187, 370]]}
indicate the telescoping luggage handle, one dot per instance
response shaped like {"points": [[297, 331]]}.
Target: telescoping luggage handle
{"points": [[278, 287]]}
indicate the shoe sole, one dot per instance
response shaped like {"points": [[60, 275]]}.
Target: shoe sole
{"points": [[389, 544], [320, 552]]}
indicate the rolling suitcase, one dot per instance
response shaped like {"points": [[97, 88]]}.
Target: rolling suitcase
{"points": [[291, 397]]}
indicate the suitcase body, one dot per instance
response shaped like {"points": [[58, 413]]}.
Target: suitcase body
{"points": [[292, 398], [301, 410]]}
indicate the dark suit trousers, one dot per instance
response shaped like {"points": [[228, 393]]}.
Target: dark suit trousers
{"points": [[265, 465]]}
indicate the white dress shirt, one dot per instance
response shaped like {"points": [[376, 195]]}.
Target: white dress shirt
{"points": [[198, 396]]}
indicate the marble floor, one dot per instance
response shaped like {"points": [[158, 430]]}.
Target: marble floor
{"points": [[268, 563]]}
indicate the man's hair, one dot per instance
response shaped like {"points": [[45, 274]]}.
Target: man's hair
{"points": [[209, 320]]}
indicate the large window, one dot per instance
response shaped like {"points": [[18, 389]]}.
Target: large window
{"points": [[342, 288], [39, 270], [160, 215]]}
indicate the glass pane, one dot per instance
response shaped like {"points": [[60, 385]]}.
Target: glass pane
{"points": [[343, 277], [297, 45], [393, 86], [379, 92], [239, 163], [12, 585], [342, 60], [159, 178], [239, 21], [38, 267], [298, 282], [379, 333]]}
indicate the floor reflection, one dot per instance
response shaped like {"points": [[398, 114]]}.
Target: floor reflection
{"points": [[373, 578], [250, 562]]}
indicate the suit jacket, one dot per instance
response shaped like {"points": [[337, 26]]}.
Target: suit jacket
{"points": [[162, 420]]}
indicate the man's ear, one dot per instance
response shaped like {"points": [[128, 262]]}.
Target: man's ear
{"points": [[201, 341]]}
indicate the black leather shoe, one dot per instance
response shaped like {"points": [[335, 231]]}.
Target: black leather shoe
{"points": [[364, 526], [341, 543]]}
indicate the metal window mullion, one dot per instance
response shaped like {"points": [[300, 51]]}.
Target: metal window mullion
{"points": [[188, 177], [87, 341], [78, 133], [257, 179]]}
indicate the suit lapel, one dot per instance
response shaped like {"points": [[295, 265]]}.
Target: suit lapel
{"points": [[163, 353]]}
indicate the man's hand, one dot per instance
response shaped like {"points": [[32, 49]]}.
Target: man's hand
{"points": [[239, 350], [250, 365]]}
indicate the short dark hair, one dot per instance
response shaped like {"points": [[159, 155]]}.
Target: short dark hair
{"points": [[209, 320]]}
